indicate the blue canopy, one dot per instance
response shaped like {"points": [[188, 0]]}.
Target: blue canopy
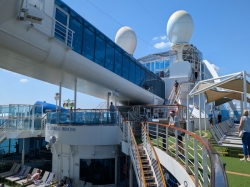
{"points": [[48, 106]]}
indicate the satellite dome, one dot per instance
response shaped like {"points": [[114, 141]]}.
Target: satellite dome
{"points": [[180, 27], [126, 39]]}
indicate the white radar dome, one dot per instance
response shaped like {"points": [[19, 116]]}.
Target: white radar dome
{"points": [[126, 39], [180, 27]]}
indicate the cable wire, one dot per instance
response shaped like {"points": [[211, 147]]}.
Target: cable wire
{"points": [[118, 22]]}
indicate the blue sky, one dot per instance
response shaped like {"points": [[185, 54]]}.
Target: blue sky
{"points": [[221, 33]]}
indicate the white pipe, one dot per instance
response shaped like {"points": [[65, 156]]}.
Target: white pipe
{"points": [[245, 90], [200, 115], [187, 112], [75, 93], [60, 96], [205, 120]]}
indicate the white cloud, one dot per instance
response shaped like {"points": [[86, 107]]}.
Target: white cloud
{"points": [[216, 68], [155, 38], [162, 45], [23, 80], [163, 37]]}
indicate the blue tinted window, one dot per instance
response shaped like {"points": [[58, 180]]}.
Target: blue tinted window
{"points": [[60, 25], [88, 44], [125, 67], [99, 51], [137, 75], [142, 81], [148, 66], [109, 63], [157, 65], [118, 63], [152, 67], [167, 64], [161, 64], [132, 71], [77, 39]]}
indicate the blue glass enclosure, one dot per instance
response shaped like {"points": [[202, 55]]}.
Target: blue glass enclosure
{"points": [[94, 45]]}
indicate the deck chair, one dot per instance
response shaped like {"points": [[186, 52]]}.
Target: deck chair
{"points": [[11, 170], [20, 182], [80, 183], [45, 176], [11, 173], [20, 176]]}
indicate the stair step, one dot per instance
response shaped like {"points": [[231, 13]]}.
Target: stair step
{"points": [[151, 184], [146, 166], [144, 161], [148, 172], [150, 178]]}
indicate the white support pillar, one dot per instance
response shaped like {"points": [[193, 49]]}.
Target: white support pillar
{"points": [[187, 113], [241, 104], [245, 89], [33, 118], [200, 115], [75, 93], [60, 96], [23, 152], [205, 119]]}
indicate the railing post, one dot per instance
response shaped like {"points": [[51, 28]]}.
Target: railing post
{"points": [[66, 39], [204, 165], [166, 140], [176, 145], [148, 128], [196, 163], [157, 135], [186, 153]]}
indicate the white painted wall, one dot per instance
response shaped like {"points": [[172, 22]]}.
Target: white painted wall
{"points": [[84, 135], [79, 152]]}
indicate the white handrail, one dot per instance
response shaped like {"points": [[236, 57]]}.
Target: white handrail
{"points": [[136, 160]]}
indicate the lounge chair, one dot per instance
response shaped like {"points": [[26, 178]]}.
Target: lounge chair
{"points": [[11, 170], [45, 176], [80, 183], [11, 173], [20, 182], [19, 176]]}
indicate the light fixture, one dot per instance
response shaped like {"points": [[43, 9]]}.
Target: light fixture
{"points": [[114, 152], [93, 153]]}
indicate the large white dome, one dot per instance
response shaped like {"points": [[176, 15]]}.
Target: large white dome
{"points": [[180, 27], [126, 39]]}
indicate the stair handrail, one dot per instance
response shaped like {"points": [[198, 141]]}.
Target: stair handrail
{"points": [[213, 176], [134, 153], [152, 155]]}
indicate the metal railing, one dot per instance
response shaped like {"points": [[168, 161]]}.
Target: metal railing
{"points": [[198, 157], [85, 117], [147, 144], [136, 160], [63, 33]]}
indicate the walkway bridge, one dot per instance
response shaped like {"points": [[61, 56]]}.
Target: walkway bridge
{"points": [[72, 53]]}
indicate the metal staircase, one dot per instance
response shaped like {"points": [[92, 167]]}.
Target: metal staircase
{"points": [[174, 95]]}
